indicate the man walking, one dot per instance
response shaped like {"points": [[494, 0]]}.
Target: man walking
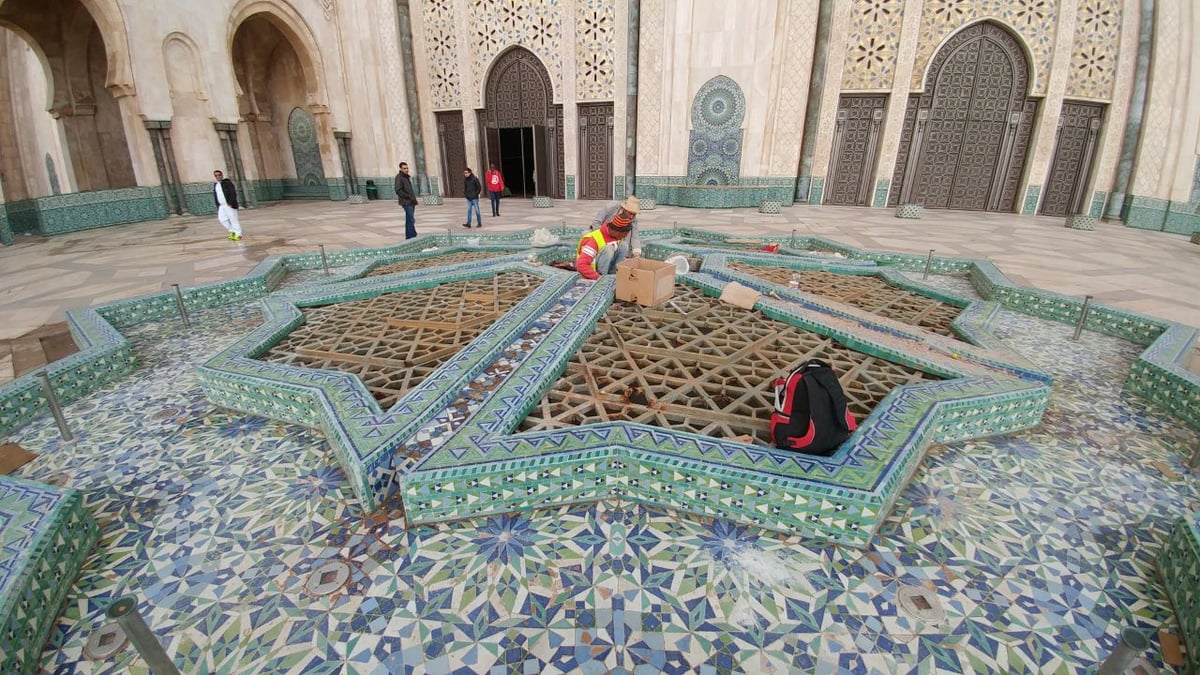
{"points": [[471, 190], [495, 186], [408, 200], [225, 195]]}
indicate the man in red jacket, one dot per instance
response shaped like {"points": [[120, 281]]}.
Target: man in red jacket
{"points": [[494, 182]]}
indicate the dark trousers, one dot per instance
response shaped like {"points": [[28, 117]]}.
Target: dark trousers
{"points": [[410, 220], [495, 202]]}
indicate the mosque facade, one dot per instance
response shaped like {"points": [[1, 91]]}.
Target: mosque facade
{"points": [[117, 111]]}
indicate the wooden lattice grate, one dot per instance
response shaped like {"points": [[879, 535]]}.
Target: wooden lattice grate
{"points": [[868, 293], [435, 261], [701, 366], [393, 341]]}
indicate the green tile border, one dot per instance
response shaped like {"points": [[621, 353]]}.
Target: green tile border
{"points": [[43, 569], [1179, 569]]}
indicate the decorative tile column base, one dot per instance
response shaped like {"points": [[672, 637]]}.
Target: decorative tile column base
{"points": [[542, 203], [1081, 222], [770, 206], [431, 200], [913, 211], [1196, 237], [357, 199]]}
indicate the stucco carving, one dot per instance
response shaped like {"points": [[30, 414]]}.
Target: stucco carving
{"points": [[1094, 54], [871, 47], [595, 40]]}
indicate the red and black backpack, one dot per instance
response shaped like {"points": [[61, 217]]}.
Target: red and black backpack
{"points": [[810, 411]]}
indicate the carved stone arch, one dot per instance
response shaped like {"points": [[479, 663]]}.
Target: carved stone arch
{"points": [[111, 21], [518, 90], [966, 136], [51, 68], [77, 36], [293, 27], [178, 44], [519, 94]]}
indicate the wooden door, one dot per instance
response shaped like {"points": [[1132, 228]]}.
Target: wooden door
{"points": [[1074, 151], [454, 151], [541, 162], [595, 150], [855, 146]]}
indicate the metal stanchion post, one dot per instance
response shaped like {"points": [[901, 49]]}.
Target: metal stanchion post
{"points": [[182, 309], [928, 264], [1133, 643], [792, 241], [55, 410], [1087, 300], [124, 610], [324, 260], [675, 228]]}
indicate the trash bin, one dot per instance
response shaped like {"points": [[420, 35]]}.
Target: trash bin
{"points": [[372, 190]]}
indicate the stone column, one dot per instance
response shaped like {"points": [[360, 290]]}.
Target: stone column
{"points": [[893, 126], [569, 94], [631, 94], [141, 154], [816, 88], [404, 23], [1137, 106]]}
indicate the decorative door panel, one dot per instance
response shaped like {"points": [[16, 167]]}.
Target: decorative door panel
{"points": [[1075, 149], [454, 151], [855, 146], [595, 150], [965, 146]]}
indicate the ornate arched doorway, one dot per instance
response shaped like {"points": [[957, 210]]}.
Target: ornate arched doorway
{"points": [[85, 125], [966, 137], [281, 92], [522, 127]]}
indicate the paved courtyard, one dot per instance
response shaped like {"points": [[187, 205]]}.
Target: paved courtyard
{"points": [[1029, 552]]}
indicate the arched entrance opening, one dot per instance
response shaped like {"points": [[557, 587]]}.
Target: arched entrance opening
{"points": [[522, 127], [58, 119], [966, 137], [277, 81]]}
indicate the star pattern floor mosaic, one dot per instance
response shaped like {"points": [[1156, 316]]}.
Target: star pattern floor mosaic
{"points": [[1037, 548]]}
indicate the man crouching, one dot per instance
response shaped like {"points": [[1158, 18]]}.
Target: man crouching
{"points": [[612, 240]]}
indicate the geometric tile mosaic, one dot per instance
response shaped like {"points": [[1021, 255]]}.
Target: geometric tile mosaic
{"points": [[217, 519]]}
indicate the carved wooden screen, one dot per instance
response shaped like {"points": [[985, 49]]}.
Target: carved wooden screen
{"points": [[595, 150], [969, 136], [855, 142], [1078, 131], [454, 150], [519, 93]]}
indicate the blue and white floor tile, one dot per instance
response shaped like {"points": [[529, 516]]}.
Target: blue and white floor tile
{"points": [[1038, 547]]}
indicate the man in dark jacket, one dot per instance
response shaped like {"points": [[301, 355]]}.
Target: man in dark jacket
{"points": [[471, 190], [408, 200], [225, 195]]}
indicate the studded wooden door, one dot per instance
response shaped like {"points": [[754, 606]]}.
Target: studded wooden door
{"points": [[519, 93], [1075, 148], [595, 150], [968, 139], [855, 142], [454, 151]]}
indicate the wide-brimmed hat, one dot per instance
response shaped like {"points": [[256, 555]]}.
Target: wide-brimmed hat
{"points": [[631, 205]]}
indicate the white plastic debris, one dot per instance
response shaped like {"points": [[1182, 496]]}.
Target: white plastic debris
{"points": [[542, 238]]}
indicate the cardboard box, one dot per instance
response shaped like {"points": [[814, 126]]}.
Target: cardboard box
{"points": [[646, 282]]}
